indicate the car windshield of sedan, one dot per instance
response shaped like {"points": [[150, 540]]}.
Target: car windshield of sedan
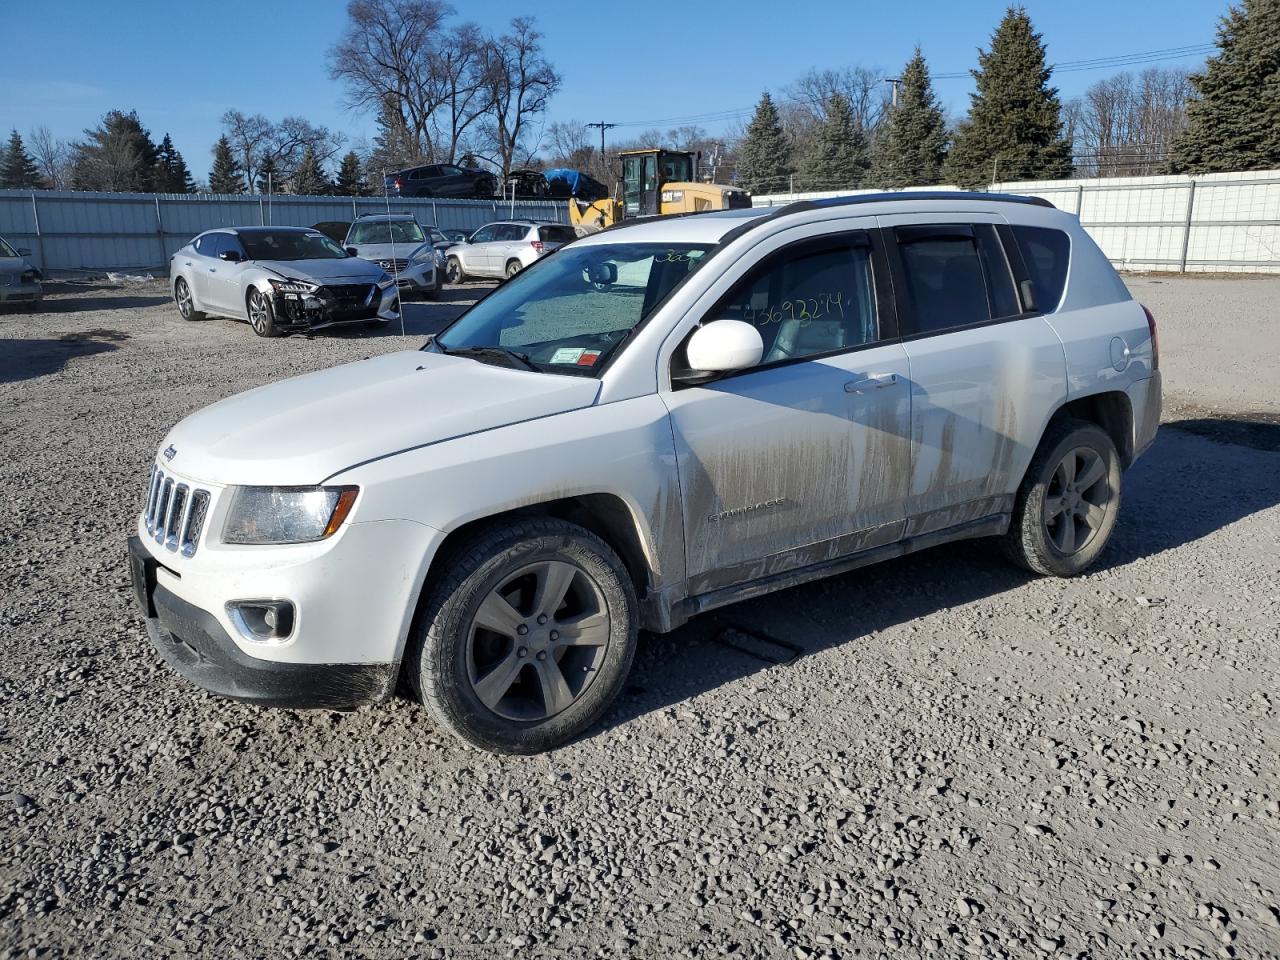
{"points": [[6, 250], [394, 231], [289, 245], [570, 310]]}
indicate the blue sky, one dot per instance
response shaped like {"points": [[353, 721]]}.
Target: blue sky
{"points": [[664, 62]]}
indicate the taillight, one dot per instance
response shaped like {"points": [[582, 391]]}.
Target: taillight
{"points": [[1155, 338], [397, 183], [537, 245]]}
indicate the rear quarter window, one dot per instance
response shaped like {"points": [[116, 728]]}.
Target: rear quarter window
{"points": [[1047, 253]]}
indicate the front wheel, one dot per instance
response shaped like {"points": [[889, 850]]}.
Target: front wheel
{"points": [[453, 272], [527, 637], [262, 316], [1068, 503], [185, 301]]}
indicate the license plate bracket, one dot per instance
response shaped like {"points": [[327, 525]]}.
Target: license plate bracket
{"points": [[142, 571]]}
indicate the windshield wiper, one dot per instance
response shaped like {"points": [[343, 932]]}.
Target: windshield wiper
{"points": [[521, 359]]}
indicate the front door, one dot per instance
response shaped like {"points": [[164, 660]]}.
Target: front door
{"points": [[224, 293], [985, 373], [804, 457]]}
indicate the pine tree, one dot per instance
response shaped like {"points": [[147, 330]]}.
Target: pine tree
{"points": [[309, 180], [269, 179], [1234, 121], [1014, 128], [171, 173], [118, 154], [350, 181], [764, 159], [226, 176], [18, 170], [913, 140], [838, 155]]}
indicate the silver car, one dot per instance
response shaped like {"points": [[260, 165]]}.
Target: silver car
{"points": [[279, 279], [504, 248], [403, 247], [19, 280]]}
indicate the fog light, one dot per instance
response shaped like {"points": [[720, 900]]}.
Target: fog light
{"points": [[262, 621]]}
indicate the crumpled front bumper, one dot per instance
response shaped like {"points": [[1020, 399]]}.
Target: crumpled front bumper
{"points": [[298, 311]]}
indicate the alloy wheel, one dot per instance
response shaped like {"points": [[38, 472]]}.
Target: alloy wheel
{"points": [[1075, 503], [258, 315], [453, 271], [183, 296], [537, 640]]}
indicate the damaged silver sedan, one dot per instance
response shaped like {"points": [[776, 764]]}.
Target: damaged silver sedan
{"points": [[279, 279]]}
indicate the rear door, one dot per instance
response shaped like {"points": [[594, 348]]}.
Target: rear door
{"points": [[985, 372], [802, 458]]}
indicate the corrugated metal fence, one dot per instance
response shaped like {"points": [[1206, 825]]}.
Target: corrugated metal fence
{"points": [[1226, 222], [70, 231]]}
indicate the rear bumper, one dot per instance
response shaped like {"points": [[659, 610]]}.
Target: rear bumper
{"points": [[1146, 401], [194, 643]]}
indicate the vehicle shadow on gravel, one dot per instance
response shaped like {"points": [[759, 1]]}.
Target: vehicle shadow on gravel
{"points": [[1183, 489], [28, 359], [83, 304]]}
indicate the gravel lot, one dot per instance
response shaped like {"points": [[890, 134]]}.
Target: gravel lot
{"points": [[962, 762]]}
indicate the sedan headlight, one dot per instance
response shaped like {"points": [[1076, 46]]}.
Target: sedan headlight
{"points": [[292, 286], [261, 515]]}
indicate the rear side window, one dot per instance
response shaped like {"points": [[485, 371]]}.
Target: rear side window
{"points": [[1046, 253], [956, 275]]}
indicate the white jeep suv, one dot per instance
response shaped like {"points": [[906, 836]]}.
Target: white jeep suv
{"points": [[655, 421]]}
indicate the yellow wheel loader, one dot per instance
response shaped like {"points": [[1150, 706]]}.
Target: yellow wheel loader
{"points": [[655, 183]]}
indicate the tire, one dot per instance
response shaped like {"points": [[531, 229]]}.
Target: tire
{"points": [[1068, 503], [453, 272], [186, 302], [520, 687], [262, 316], [513, 267]]}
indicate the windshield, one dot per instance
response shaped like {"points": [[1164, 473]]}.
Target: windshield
{"points": [[6, 250], [289, 245], [571, 309], [394, 231]]}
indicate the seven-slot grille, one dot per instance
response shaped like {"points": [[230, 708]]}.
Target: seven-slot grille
{"points": [[175, 513]]}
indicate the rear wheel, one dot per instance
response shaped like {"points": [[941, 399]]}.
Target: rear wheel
{"points": [[453, 272], [527, 638], [513, 267], [262, 316], [1068, 503], [185, 301]]}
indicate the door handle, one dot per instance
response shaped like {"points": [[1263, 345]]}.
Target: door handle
{"points": [[877, 382]]}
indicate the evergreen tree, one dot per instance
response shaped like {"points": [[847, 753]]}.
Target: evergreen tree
{"points": [[226, 176], [118, 154], [309, 180], [269, 179], [350, 181], [171, 173], [1234, 122], [1014, 126], [913, 140], [764, 159], [18, 170], [838, 155]]}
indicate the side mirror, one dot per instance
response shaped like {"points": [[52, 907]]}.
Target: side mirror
{"points": [[602, 274], [24, 251], [231, 256], [723, 346], [352, 252]]}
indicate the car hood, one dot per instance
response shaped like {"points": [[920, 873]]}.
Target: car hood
{"points": [[348, 270], [385, 251], [303, 430]]}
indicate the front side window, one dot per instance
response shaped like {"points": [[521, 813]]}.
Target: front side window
{"points": [[451, 171], [956, 275], [485, 234], [290, 245], [567, 313], [811, 301], [387, 231], [6, 250]]}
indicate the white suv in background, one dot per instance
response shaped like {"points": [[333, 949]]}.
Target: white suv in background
{"points": [[504, 248], [659, 420]]}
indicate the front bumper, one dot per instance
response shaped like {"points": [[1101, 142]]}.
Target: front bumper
{"points": [[21, 293], [330, 307]]}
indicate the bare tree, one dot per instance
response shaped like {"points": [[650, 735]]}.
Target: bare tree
{"points": [[463, 97], [388, 54], [519, 81], [864, 87], [1124, 125], [258, 142], [52, 155], [248, 136]]}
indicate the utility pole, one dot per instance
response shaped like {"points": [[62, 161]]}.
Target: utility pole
{"points": [[603, 127], [895, 81]]}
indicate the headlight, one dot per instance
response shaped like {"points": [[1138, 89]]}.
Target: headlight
{"points": [[261, 515], [292, 286], [424, 254]]}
